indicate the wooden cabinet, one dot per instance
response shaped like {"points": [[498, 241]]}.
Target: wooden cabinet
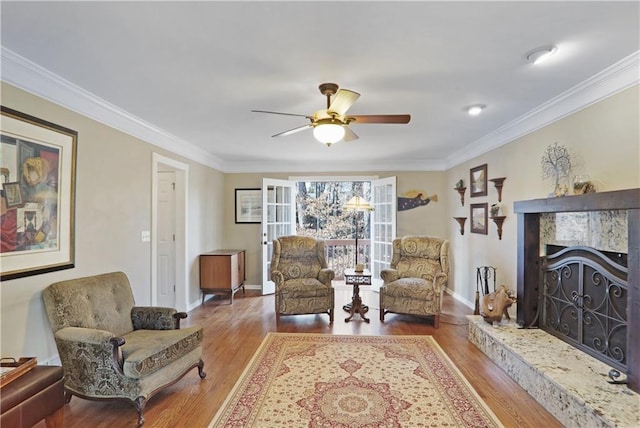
{"points": [[222, 272]]}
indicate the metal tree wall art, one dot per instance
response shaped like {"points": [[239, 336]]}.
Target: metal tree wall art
{"points": [[556, 164]]}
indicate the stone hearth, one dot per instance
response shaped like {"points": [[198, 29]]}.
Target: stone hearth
{"points": [[567, 382]]}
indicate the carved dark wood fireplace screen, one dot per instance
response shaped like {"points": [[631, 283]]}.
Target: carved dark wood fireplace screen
{"points": [[584, 302], [589, 298]]}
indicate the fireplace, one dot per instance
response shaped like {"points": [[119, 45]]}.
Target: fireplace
{"points": [[583, 301], [587, 292]]}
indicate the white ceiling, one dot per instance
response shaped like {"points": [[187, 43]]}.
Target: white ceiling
{"points": [[188, 74]]}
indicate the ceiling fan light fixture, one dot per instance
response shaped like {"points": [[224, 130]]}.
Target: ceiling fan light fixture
{"points": [[538, 55], [476, 109], [328, 133]]}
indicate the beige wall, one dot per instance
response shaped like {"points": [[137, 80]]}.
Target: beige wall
{"points": [[605, 140], [428, 219], [113, 205]]}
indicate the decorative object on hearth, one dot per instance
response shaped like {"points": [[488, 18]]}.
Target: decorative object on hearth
{"points": [[478, 181], [331, 125], [556, 164], [357, 204], [495, 305], [311, 379]]}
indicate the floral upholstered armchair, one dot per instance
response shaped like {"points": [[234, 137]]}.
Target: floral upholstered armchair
{"points": [[110, 348], [417, 278], [303, 281]]}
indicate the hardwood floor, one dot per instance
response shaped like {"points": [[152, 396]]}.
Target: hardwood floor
{"points": [[234, 332]]}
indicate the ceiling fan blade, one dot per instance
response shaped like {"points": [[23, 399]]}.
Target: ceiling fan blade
{"points": [[381, 118], [293, 131], [277, 112], [349, 135], [343, 100]]}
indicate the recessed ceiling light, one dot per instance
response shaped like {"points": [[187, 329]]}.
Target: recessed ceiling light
{"points": [[540, 54], [476, 109]]}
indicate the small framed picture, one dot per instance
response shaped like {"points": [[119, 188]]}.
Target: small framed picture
{"points": [[478, 181], [13, 195], [248, 206], [479, 218]]}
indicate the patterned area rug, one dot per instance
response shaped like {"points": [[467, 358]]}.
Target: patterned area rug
{"points": [[319, 380]]}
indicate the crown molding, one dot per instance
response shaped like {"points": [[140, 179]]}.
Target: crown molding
{"points": [[28, 76], [335, 166], [616, 78]]}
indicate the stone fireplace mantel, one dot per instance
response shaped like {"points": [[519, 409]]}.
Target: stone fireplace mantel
{"points": [[529, 272]]}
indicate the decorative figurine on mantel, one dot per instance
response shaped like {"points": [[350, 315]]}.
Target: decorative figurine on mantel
{"points": [[556, 164], [582, 185], [496, 305]]}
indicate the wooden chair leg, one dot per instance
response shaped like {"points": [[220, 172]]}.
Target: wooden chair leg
{"points": [[436, 321]]}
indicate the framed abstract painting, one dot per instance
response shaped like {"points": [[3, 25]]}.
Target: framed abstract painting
{"points": [[38, 166]]}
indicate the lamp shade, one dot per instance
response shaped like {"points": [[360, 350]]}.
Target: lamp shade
{"points": [[328, 133], [357, 203]]}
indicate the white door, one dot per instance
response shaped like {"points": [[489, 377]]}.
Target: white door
{"points": [[383, 224], [278, 219], [166, 255]]}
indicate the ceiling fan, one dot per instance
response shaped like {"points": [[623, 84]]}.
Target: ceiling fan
{"points": [[331, 125]]}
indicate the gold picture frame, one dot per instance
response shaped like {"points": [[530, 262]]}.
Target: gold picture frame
{"points": [[38, 219]]}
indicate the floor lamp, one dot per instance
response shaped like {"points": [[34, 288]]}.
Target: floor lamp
{"points": [[357, 204]]}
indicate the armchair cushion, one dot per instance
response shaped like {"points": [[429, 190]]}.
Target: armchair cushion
{"points": [[146, 351], [304, 287]]}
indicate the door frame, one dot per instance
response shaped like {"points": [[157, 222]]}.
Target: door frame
{"points": [[182, 178], [273, 226]]}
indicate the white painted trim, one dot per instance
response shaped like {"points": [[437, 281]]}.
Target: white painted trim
{"points": [[322, 178], [24, 74], [182, 236], [459, 298], [620, 76]]}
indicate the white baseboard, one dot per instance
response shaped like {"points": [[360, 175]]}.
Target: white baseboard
{"points": [[460, 299]]}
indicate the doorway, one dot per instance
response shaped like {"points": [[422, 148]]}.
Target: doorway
{"points": [[163, 256]]}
